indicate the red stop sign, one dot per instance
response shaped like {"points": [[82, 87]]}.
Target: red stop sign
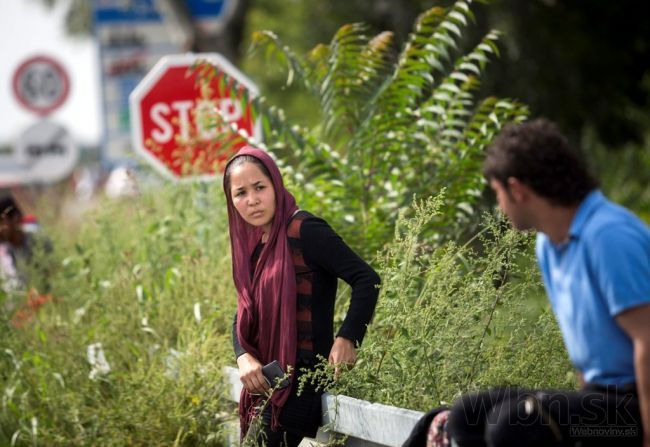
{"points": [[183, 126]]}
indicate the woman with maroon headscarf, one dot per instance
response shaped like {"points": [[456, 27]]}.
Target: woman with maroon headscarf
{"points": [[286, 264]]}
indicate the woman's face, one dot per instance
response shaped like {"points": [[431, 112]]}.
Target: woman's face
{"points": [[253, 195]]}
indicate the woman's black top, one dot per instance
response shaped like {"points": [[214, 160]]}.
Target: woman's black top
{"points": [[326, 258]]}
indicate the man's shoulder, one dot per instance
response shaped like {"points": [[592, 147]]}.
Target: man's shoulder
{"points": [[611, 222]]}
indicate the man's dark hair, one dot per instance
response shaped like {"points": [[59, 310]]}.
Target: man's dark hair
{"points": [[538, 155], [9, 207]]}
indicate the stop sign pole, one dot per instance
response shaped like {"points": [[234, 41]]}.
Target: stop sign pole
{"points": [[169, 112]]}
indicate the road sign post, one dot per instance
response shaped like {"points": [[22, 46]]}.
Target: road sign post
{"points": [[180, 130]]}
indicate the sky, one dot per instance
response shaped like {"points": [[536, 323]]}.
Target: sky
{"points": [[28, 28]]}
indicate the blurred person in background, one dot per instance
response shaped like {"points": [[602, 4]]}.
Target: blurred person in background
{"points": [[21, 243], [30, 225], [14, 246], [122, 183]]}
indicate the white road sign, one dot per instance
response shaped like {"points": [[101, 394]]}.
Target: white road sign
{"points": [[45, 153], [41, 84]]}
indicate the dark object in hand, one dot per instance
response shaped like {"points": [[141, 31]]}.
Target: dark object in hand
{"points": [[275, 375]]}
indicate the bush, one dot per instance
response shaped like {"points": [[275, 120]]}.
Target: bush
{"points": [[393, 124], [150, 281], [452, 319]]}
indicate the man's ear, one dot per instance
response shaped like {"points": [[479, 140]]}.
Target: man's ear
{"points": [[518, 191]]}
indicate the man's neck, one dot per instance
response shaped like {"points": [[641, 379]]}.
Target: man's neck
{"points": [[556, 222]]}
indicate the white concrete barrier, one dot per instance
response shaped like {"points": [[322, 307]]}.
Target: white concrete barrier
{"points": [[365, 423]]}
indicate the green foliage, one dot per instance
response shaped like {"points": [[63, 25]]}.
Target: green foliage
{"points": [[136, 275], [149, 280], [624, 173], [451, 319], [394, 124]]}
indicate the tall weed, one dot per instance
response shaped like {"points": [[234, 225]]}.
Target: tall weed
{"points": [[452, 318], [148, 283]]}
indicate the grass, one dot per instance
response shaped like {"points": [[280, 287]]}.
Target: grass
{"points": [[149, 280]]}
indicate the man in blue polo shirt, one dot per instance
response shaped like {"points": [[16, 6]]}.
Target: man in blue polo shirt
{"points": [[595, 261]]}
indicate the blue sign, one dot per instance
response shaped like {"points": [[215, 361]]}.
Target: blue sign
{"points": [[116, 11], [204, 9], [113, 11]]}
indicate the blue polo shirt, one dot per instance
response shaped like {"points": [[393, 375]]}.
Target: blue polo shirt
{"points": [[603, 270]]}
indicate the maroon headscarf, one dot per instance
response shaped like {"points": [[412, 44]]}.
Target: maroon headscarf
{"points": [[266, 305]]}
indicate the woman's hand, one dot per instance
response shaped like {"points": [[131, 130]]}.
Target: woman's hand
{"points": [[342, 353], [250, 374]]}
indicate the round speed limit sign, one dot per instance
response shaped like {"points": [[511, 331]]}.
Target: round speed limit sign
{"points": [[41, 84]]}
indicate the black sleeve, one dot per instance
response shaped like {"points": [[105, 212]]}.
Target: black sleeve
{"points": [[324, 248], [235, 339]]}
